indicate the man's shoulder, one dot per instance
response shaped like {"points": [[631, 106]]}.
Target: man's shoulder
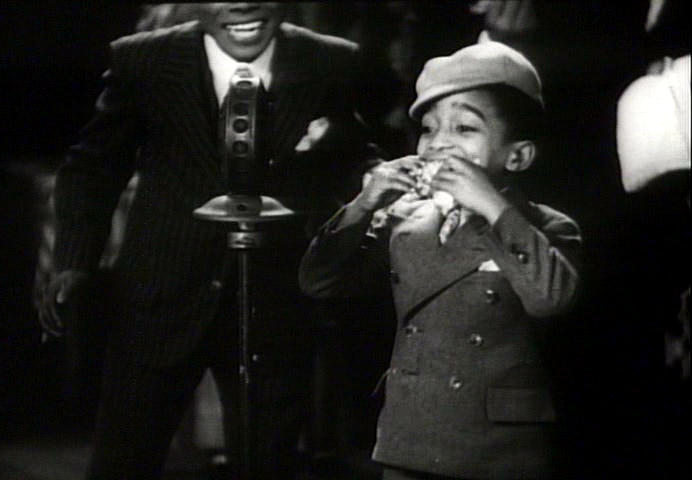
{"points": [[311, 39], [162, 36]]}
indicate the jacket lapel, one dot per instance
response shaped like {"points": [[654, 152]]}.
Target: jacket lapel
{"points": [[428, 268], [185, 97], [296, 90], [182, 97]]}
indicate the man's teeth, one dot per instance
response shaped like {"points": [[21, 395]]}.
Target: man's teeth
{"points": [[244, 27]]}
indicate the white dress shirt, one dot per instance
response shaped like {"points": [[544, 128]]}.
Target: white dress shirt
{"points": [[223, 66]]}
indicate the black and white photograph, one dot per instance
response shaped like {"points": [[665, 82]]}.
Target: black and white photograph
{"points": [[345, 240]]}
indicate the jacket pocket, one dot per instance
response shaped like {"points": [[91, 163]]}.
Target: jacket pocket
{"points": [[519, 405]]}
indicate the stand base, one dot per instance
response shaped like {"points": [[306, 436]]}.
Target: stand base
{"points": [[243, 209]]}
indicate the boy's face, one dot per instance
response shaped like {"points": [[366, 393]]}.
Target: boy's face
{"points": [[467, 126], [242, 29]]}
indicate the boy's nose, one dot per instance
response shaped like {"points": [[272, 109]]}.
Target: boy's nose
{"points": [[439, 142]]}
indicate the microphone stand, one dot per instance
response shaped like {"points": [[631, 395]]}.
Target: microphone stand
{"points": [[244, 213]]}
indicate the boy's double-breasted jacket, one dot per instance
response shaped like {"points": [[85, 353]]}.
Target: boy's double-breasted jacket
{"points": [[467, 393]]}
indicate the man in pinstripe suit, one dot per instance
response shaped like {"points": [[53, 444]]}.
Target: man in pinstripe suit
{"points": [[169, 297]]}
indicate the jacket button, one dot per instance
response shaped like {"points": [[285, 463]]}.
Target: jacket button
{"points": [[394, 277], [475, 340], [455, 383], [272, 162], [523, 257], [216, 285], [411, 329], [491, 296]]}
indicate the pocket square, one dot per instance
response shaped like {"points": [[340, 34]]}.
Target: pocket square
{"points": [[488, 266], [315, 131]]}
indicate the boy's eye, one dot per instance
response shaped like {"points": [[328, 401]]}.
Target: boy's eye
{"points": [[464, 128], [425, 130]]}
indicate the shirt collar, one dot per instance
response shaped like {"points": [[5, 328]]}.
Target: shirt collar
{"points": [[223, 66]]}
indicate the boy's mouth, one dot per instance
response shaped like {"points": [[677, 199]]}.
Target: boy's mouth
{"points": [[441, 159]]}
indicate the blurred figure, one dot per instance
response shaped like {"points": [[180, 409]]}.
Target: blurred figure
{"points": [[653, 127], [653, 140]]}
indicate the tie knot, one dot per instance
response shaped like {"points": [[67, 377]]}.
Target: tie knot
{"points": [[244, 70]]}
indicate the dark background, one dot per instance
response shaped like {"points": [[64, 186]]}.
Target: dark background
{"points": [[623, 409]]}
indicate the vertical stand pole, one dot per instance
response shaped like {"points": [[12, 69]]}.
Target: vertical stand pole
{"points": [[242, 242], [246, 211], [245, 315]]}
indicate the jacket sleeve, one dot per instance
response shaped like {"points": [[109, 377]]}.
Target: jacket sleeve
{"points": [[542, 264], [97, 168], [344, 260]]}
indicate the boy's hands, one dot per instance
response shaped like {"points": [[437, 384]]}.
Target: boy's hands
{"points": [[467, 183], [387, 182], [471, 188]]}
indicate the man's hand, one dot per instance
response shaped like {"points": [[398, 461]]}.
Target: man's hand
{"points": [[387, 182], [64, 291], [471, 188]]}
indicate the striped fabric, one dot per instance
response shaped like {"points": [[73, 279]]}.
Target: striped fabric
{"points": [[157, 116]]}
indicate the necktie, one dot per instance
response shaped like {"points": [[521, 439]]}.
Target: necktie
{"points": [[454, 218], [240, 132]]}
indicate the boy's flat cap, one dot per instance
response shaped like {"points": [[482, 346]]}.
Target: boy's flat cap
{"points": [[485, 63]]}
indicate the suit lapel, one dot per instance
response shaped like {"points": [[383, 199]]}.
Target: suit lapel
{"points": [[430, 268], [182, 98], [296, 90], [427, 267]]}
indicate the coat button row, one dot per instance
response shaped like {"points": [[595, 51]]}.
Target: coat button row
{"points": [[491, 296]]}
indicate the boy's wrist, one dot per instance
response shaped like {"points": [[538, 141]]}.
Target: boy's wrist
{"points": [[361, 205], [355, 212], [494, 208]]}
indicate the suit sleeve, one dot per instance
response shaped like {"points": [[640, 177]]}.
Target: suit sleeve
{"points": [[344, 261], [97, 168], [542, 265]]}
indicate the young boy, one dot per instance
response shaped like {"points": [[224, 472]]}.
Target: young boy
{"points": [[471, 266]]}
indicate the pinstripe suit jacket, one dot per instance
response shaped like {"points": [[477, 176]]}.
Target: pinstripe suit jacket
{"points": [[157, 115]]}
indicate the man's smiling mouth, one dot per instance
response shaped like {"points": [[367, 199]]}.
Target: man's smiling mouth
{"points": [[244, 31]]}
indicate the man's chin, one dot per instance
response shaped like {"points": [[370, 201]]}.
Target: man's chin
{"points": [[245, 51]]}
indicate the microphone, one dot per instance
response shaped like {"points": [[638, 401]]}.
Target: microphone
{"points": [[244, 131]]}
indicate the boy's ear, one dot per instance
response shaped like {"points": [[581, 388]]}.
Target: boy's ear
{"points": [[521, 156]]}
